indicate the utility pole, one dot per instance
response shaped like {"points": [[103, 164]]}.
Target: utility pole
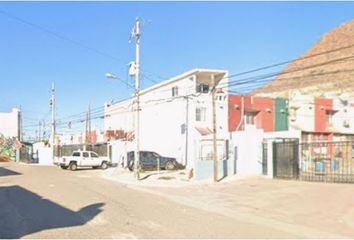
{"points": [[20, 133], [186, 131], [52, 104], [43, 130], [136, 34], [215, 154], [39, 131], [88, 126]]}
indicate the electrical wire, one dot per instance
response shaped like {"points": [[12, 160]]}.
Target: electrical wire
{"points": [[57, 35]]}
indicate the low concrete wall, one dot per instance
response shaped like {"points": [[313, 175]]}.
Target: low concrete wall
{"points": [[205, 169], [119, 152], [248, 152], [42, 154], [283, 134]]}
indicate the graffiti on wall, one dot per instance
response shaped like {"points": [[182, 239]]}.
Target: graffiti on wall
{"points": [[8, 146], [119, 134]]}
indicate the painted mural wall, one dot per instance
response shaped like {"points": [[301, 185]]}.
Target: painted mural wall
{"points": [[8, 146]]}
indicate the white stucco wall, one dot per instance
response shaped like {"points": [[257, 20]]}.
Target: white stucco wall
{"points": [[9, 123], [44, 153], [167, 123], [302, 113], [249, 151], [283, 134], [343, 119]]}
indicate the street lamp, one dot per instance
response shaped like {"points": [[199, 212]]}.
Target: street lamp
{"points": [[111, 76]]}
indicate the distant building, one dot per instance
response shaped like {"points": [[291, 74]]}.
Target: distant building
{"points": [[328, 118], [10, 124], [251, 112], [93, 137], [10, 134]]}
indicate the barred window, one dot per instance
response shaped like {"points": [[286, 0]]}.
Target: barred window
{"points": [[200, 114]]}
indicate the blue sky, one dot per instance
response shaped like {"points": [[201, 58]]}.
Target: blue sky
{"points": [[177, 36]]}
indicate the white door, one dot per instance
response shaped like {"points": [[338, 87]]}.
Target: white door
{"points": [[95, 159], [86, 159]]}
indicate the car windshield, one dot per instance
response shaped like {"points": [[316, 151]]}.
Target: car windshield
{"points": [[94, 155], [155, 154]]}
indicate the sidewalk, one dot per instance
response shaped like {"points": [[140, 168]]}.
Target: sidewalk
{"points": [[163, 178], [310, 210]]}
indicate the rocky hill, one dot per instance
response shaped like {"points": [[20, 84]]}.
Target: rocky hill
{"points": [[332, 72]]}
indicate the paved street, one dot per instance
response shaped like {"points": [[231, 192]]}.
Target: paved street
{"points": [[311, 209], [47, 202]]}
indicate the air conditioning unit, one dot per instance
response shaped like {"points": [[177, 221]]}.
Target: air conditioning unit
{"points": [[346, 124]]}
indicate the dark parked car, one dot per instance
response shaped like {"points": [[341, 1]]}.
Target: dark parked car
{"points": [[149, 161]]}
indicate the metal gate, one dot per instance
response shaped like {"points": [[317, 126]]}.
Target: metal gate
{"points": [[327, 162], [286, 159]]}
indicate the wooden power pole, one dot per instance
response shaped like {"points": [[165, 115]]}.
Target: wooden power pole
{"points": [[215, 153]]}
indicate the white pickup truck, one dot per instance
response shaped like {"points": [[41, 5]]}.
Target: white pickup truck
{"points": [[83, 159]]}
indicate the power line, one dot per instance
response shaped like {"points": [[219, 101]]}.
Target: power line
{"points": [[261, 82], [269, 75], [163, 100], [290, 61], [59, 36], [67, 39]]}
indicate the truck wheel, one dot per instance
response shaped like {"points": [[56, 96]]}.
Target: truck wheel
{"points": [[170, 166], [104, 165], [64, 167], [73, 166]]}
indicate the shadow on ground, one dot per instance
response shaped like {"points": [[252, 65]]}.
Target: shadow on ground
{"points": [[23, 212], [6, 172]]}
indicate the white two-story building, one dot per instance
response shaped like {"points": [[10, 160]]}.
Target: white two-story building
{"points": [[175, 118], [10, 123]]}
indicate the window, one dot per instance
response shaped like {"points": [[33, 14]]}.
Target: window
{"points": [[85, 154], [202, 88], [76, 154], [94, 155], [250, 118], [200, 114], [174, 91]]}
